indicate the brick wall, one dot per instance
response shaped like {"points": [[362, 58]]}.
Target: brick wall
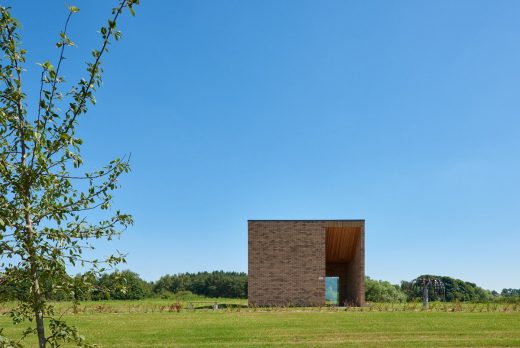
{"points": [[286, 263]]}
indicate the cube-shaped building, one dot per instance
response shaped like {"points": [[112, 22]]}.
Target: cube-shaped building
{"points": [[290, 259]]}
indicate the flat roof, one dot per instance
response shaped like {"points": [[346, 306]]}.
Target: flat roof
{"points": [[310, 220]]}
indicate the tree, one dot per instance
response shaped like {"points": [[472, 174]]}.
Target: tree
{"points": [[45, 199], [383, 291], [425, 283], [454, 290], [125, 285]]}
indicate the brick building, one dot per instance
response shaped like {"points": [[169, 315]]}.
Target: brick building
{"points": [[289, 260]]}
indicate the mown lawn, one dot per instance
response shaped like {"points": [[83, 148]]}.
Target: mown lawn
{"points": [[292, 327]]}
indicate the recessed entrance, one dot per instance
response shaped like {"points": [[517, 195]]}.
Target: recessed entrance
{"points": [[344, 261]]}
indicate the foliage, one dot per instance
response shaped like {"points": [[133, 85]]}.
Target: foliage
{"points": [[214, 284], [124, 285], [510, 296], [375, 290], [510, 292], [127, 285], [454, 290], [427, 283], [45, 199], [383, 291]]}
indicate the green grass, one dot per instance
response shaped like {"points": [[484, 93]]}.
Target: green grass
{"points": [[144, 324]]}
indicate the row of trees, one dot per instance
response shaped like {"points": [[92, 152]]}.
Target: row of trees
{"points": [[127, 285], [452, 290], [214, 284], [510, 293]]}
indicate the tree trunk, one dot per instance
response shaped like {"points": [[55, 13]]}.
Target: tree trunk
{"points": [[38, 302], [38, 312], [425, 297], [38, 299]]}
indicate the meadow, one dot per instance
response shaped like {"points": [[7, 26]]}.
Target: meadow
{"points": [[163, 323]]}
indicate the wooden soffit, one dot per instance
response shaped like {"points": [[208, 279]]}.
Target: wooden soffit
{"points": [[341, 243]]}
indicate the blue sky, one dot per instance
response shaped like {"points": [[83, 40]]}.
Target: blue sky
{"points": [[403, 113]]}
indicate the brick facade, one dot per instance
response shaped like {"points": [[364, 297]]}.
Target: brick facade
{"points": [[288, 262]]}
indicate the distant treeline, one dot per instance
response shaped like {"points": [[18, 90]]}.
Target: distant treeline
{"points": [[209, 284], [127, 285], [214, 284], [454, 290]]}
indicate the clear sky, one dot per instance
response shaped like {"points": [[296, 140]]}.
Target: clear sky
{"points": [[403, 113]]}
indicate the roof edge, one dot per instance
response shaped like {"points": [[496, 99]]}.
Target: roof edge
{"points": [[307, 220]]}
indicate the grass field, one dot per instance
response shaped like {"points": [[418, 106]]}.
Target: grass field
{"points": [[151, 324]]}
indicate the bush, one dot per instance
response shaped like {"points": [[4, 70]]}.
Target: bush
{"points": [[125, 285], [383, 291]]}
